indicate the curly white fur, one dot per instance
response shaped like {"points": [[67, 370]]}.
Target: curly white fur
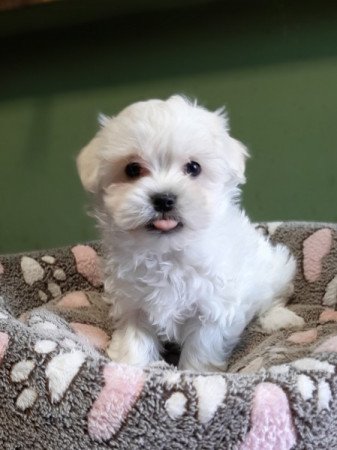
{"points": [[203, 281]]}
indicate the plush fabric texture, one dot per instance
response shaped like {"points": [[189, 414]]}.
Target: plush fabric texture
{"points": [[58, 390]]}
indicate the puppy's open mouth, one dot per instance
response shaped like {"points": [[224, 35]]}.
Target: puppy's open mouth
{"points": [[164, 225]]}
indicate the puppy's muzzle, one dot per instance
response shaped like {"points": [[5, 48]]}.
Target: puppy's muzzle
{"points": [[164, 202]]}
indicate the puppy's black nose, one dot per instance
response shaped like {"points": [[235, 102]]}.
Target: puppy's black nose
{"points": [[163, 202]]}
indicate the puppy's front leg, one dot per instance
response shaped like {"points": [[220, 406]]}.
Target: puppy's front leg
{"points": [[206, 347], [134, 342]]}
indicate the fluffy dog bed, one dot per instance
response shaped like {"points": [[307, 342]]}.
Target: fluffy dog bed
{"points": [[59, 391]]}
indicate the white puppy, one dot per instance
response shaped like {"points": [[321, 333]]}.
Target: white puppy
{"points": [[182, 261]]}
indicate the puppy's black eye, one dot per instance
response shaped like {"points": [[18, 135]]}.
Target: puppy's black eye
{"points": [[133, 170], [193, 168]]}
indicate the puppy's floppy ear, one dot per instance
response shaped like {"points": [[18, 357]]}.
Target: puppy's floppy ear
{"points": [[237, 154], [88, 163]]}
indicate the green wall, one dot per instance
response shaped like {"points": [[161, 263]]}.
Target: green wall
{"points": [[273, 64]]}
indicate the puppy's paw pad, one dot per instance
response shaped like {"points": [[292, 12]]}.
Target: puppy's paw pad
{"points": [[280, 318]]}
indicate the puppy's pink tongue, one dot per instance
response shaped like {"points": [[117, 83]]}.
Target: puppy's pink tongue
{"points": [[165, 225]]}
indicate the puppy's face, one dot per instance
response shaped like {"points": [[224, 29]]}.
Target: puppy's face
{"points": [[163, 169]]}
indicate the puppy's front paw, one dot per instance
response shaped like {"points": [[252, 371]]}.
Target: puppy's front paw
{"points": [[124, 353], [131, 346], [114, 351], [278, 318], [192, 360]]}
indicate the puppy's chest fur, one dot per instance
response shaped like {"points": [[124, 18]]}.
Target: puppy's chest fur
{"points": [[169, 289]]}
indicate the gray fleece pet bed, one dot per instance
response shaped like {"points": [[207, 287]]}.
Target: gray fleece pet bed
{"points": [[59, 391]]}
